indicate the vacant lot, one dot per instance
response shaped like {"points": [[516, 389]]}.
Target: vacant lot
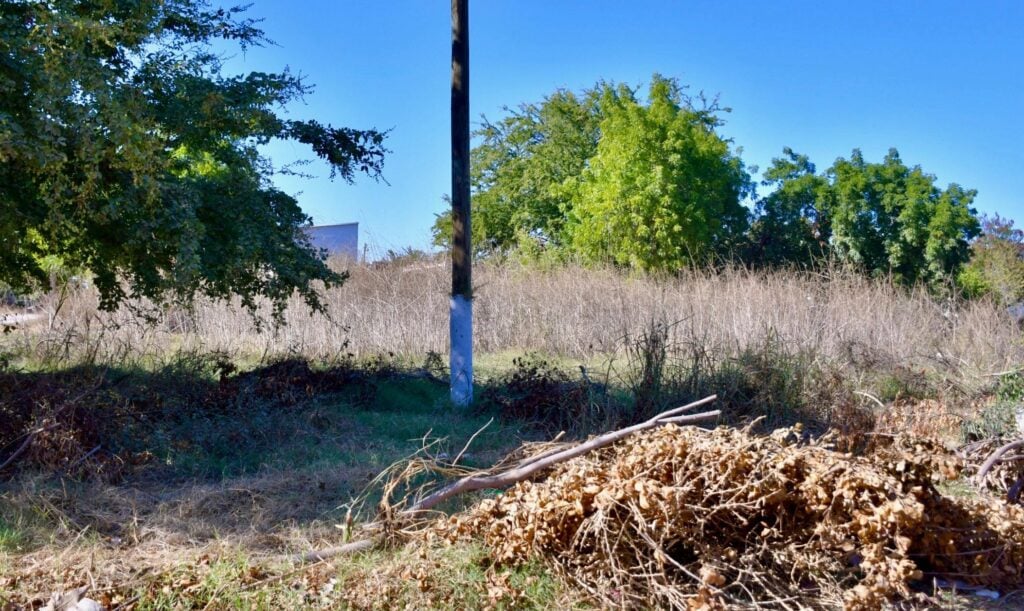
{"points": [[181, 461]]}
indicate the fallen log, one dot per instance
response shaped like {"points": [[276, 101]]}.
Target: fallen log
{"points": [[524, 471]]}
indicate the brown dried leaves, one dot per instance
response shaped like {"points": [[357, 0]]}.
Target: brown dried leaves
{"points": [[690, 518]]}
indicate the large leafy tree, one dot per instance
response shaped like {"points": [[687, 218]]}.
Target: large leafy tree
{"points": [[885, 218], [788, 227], [518, 168], [664, 188], [125, 150], [890, 218]]}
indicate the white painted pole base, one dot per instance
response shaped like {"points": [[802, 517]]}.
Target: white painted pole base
{"points": [[461, 363]]}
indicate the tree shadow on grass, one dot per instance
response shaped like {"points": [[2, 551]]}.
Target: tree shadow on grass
{"points": [[196, 450]]}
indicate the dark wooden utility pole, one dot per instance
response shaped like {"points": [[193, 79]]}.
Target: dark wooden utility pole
{"points": [[461, 313]]}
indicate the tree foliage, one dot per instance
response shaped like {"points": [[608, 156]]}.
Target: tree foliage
{"points": [[518, 168], [125, 150], [663, 189], [890, 218], [601, 175], [996, 266], [885, 218], [788, 227]]}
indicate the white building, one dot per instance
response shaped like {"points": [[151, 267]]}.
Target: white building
{"points": [[340, 239]]}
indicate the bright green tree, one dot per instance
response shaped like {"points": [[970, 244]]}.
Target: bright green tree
{"points": [[996, 266], [124, 150], [890, 218], [664, 189], [518, 169]]}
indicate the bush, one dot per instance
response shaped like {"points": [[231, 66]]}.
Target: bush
{"points": [[539, 393]]}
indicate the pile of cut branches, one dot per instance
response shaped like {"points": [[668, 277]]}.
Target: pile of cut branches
{"points": [[694, 519]]}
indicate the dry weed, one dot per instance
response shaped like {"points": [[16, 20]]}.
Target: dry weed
{"points": [[839, 318]]}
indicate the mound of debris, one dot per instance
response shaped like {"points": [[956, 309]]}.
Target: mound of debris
{"points": [[688, 518]]}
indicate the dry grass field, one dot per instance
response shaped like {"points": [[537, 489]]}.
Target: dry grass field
{"points": [[180, 456], [835, 318]]}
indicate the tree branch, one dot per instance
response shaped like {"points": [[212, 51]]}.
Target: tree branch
{"points": [[524, 471], [993, 458]]}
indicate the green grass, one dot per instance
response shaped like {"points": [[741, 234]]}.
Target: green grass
{"points": [[12, 537], [330, 431], [455, 577], [223, 477], [336, 442]]}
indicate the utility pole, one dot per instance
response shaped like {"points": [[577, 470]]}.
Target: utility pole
{"points": [[461, 308]]}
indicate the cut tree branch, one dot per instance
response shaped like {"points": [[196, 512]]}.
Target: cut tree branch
{"points": [[994, 458], [525, 471]]}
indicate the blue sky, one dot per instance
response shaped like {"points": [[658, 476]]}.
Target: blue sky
{"points": [[941, 81]]}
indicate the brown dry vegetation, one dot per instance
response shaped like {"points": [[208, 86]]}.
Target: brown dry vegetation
{"points": [[838, 317], [244, 444], [685, 518]]}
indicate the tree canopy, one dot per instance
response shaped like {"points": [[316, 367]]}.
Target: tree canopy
{"points": [[890, 218], [602, 175], [519, 166], [663, 189], [605, 176], [996, 266], [885, 218], [788, 227], [124, 150]]}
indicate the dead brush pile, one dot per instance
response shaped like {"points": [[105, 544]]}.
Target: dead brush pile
{"points": [[694, 519]]}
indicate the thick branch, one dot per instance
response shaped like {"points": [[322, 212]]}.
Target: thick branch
{"points": [[527, 470], [21, 449], [979, 479], [506, 479]]}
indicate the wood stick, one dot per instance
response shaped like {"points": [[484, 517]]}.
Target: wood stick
{"points": [[503, 480], [348, 548]]}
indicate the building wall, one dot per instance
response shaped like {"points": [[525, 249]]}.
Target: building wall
{"points": [[336, 239]]}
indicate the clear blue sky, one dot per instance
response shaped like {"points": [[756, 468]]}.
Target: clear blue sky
{"points": [[941, 81]]}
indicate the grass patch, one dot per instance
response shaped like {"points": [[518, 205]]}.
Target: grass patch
{"points": [[460, 576], [12, 537], [201, 451]]}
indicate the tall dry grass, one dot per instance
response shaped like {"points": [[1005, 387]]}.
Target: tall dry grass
{"points": [[838, 318]]}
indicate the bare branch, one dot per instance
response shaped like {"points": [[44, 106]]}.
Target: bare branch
{"points": [[524, 471], [993, 458]]}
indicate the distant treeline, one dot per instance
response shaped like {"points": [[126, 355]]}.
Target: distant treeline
{"points": [[604, 176]]}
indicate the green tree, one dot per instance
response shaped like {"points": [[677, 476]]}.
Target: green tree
{"points": [[996, 266], [788, 227], [441, 231], [663, 189], [518, 168], [890, 218], [124, 150]]}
